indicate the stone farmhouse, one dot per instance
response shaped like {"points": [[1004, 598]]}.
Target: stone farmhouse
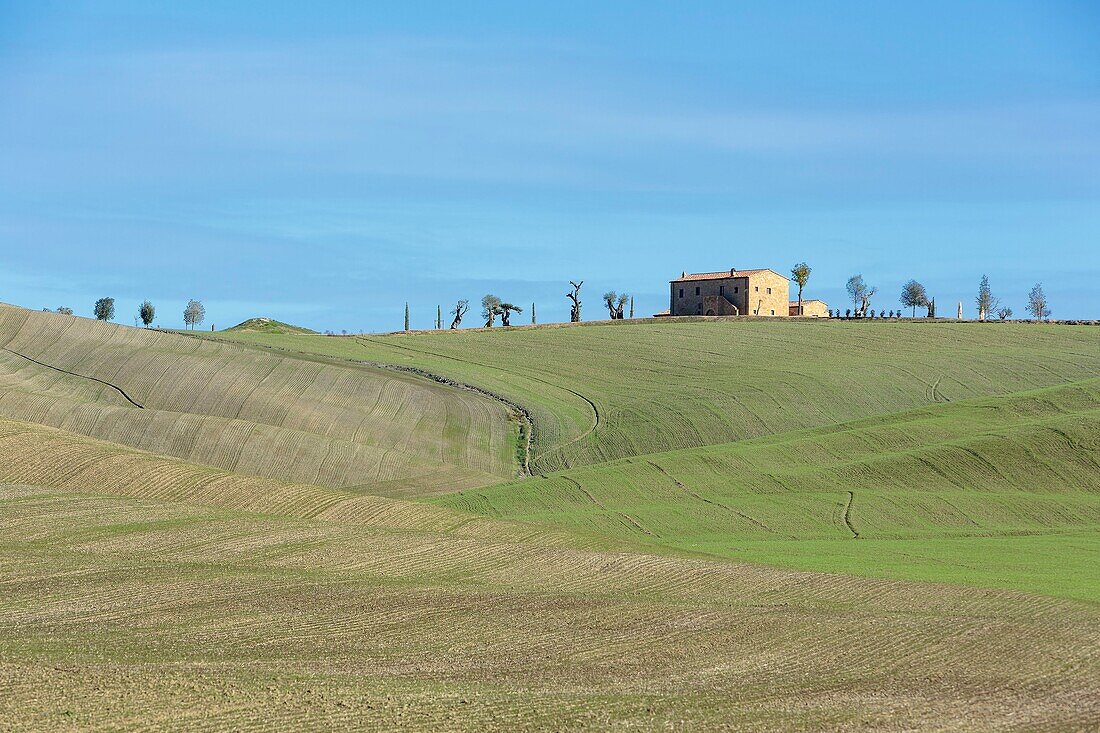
{"points": [[737, 293]]}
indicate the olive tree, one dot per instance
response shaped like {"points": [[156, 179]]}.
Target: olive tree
{"points": [[615, 303], [913, 295], [105, 309], [1037, 304], [147, 313], [458, 311], [506, 310], [193, 314], [490, 309], [860, 293], [575, 297]]}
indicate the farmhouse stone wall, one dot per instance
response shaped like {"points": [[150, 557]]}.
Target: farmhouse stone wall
{"points": [[745, 293], [769, 294]]}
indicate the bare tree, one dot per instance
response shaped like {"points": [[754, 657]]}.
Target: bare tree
{"points": [[490, 309], [1037, 304], [458, 311], [105, 309], [987, 304], [1004, 313], [800, 273], [575, 296], [506, 310], [860, 294], [193, 314], [147, 313], [913, 295]]}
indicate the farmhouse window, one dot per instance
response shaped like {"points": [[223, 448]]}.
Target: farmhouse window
{"points": [[721, 289], [681, 292], [773, 312], [735, 288], [696, 291], [769, 293]]}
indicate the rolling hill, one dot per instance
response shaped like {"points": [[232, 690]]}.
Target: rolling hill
{"points": [[607, 391], [762, 525], [328, 423]]}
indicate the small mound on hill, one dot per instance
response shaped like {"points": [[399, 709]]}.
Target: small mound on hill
{"points": [[268, 325]]}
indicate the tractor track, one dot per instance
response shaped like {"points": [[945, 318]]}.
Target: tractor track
{"points": [[705, 500], [848, 515], [115, 387]]}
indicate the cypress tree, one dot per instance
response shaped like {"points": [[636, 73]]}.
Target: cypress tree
{"points": [[439, 318], [631, 306], [533, 319], [406, 315]]}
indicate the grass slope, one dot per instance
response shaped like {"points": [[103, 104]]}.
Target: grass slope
{"points": [[985, 492], [602, 392], [1001, 491], [334, 424]]}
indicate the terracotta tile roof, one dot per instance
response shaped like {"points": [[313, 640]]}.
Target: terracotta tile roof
{"points": [[808, 300], [686, 277]]}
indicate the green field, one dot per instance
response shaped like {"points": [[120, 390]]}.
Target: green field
{"points": [[965, 473], [727, 524]]}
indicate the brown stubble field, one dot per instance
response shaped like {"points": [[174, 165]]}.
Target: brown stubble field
{"points": [[133, 612]]}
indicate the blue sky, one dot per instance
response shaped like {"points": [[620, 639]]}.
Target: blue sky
{"points": [[322, 163]]}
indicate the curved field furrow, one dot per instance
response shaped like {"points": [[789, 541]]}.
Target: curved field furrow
{"points": [[243, 410], [662, 386], [845, 462], [1017, 473], [322, 624]]}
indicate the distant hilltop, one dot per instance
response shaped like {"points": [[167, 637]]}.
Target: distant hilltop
{"points": [[268, 325]]}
